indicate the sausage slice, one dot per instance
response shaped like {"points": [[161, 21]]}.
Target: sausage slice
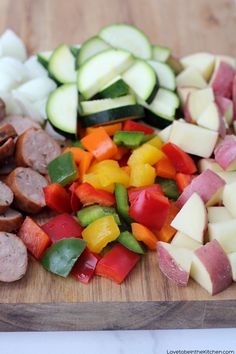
{"points": [[2, 109], [7, 144], [27, 186], [6, 198], [13, 257], [35, 149], [11, 220], [20, 123]]}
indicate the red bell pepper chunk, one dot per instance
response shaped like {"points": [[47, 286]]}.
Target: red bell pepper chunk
{"points": [[182, 162], [124, 160], [132, 126], [117, 263], [34, 237], [74, 200], [85, 266], [62, 226], [183, 180], [150, 209], [134, 192], [57, 198], [90, 195]]}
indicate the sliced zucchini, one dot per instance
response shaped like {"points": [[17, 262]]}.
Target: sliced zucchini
{"points": [[62, 65], [91, 47], [142, 79], [160, 53], [62, 107], [115, 114], [75, 50], [44, 57], [127, 37], [113, 89], [100, 69], [90, 107], [165, 74]]}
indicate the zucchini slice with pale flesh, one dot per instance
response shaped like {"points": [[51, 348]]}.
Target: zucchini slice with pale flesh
{"points": [[114, 88], [127, 37], [165, 74], [44, 57], [94, 106], [142, 79], [62, 65], [112, 115], [91, 47], [62, 106], [160, 53], [99, 70]]}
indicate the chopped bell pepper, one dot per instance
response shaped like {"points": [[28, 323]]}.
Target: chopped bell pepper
{"points": [[134, 192], [130, 242], [99, 144], [165, 168], [147, 138], [85, 266], [91, 213], [109, 128], [181, 161], [122, 203], [34, 237], [129, 139], [74, 200], [87, 194], [132, 126], [78, 143], [121, 152], [94, 180], [63, 169], [82, 158], [57, 198], [146, 153], [156, 141], [169, 187], [150, 209], [62, 226], [167, 231], [183, 180], [142, 233], [117, 263], [109, 172], [100, 232], [142, 175], [62, 255]]}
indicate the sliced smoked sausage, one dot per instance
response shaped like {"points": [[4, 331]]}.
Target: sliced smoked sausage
{"points": [[7, 143], [11, 220], [35, 149], [20, 123], [6, 198], [13, 257], [27, 186], [2, 109]]}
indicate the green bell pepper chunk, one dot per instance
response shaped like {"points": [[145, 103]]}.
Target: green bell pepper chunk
{"points": [[62, 255], [122, 203], [128, 139], [77, 143], [148, 137], [63, 169], [94, 212], [169, 187], [130, 242]]}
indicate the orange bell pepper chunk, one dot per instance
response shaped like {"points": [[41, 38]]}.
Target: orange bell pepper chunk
{"points": [[167, 231], [165, 168], [142, 233], [109, 128], [121, 151], [101, 146], [82, 158]]}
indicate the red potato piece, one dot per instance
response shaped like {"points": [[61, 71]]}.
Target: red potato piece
{"points": [[2, 109], [234, 97], [225, 106], [174, 262], [13, 257], [27, 186], [209, 187], [20, 123], [212, 119], [6, 197], [193, 109], [225, 153], [209, 164], [36, 149], [222, 79], [211, 268], [11, 220]]}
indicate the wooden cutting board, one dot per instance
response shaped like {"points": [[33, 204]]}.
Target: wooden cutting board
{"points": [[42, 301]]}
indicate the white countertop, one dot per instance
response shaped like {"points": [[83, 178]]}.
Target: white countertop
{"points": [[212, 341]]}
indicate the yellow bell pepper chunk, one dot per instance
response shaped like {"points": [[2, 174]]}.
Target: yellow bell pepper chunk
{"points": [[100, 232], [146, 153], [94, 180], [156, 141], [142, 175]]}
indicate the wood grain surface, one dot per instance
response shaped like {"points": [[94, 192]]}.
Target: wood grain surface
{"points": [[146, 299]]}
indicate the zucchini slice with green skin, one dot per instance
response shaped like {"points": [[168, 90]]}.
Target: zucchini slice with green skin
{"points": [[75, 50], [112, 115], [44, 57], [115, 88], [127, 37], [89, 48], [160, 53], [165, 74], [99, 70], [62, 65], [62, 108], [90, 107], [142, 79]]}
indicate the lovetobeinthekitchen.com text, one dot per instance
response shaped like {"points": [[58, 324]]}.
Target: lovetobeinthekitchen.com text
{"points": [[206, 351]]}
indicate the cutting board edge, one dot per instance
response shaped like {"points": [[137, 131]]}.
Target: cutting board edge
{"points": [[118, 315]]}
